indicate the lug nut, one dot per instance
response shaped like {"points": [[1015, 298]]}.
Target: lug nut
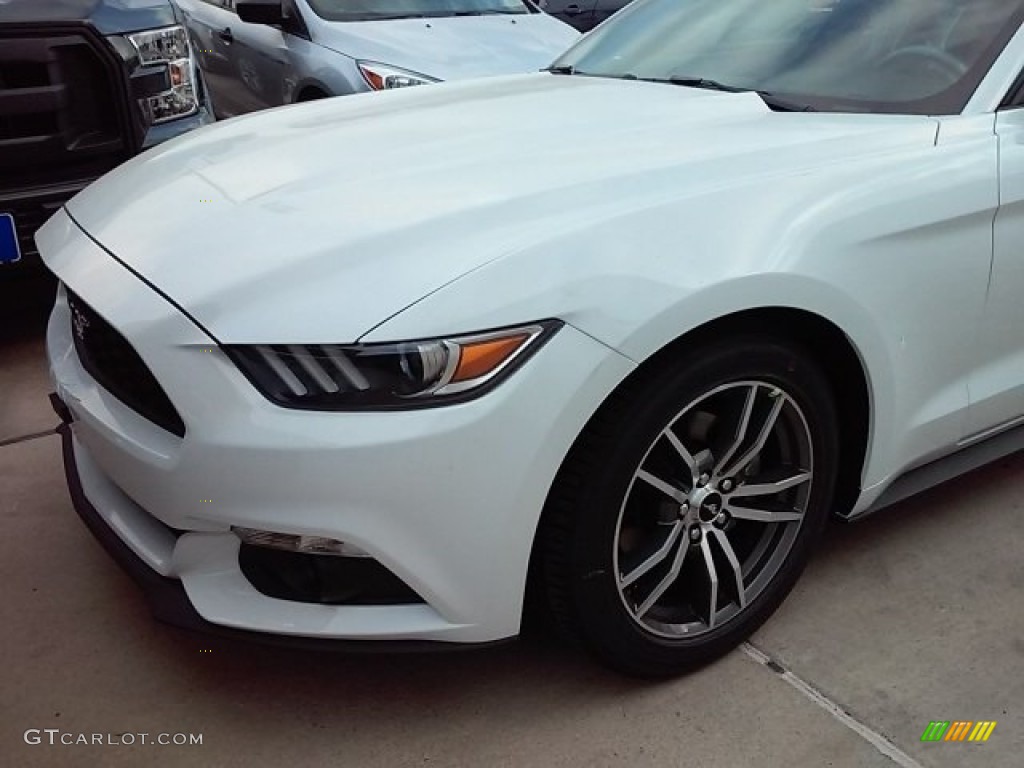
{"points": [[727, 485], [722, 519], [703, 480], [695, 533]]}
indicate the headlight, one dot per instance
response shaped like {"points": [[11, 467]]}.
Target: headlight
{"points": [[381, 77], [168, 47], [332, 377]]}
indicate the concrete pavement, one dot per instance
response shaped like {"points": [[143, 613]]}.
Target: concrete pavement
{"points": [[23, 376], [915, 615]]}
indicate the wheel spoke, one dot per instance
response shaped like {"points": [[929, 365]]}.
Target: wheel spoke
{"points": [[763, 515], [762, 438], [730, 555], [685, 455], [663, 551], [668, 489], [664, 584], [709, 563], [741, 429], [774, 486], [728, 485]]}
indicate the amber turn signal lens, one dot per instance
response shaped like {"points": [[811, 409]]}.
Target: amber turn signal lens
{"points": [[375, 80], [482, 357]]}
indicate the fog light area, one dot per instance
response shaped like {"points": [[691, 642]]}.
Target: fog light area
{"points": [[313, 545]]}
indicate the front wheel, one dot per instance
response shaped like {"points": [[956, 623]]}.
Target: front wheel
{"points": [[691, 504]]}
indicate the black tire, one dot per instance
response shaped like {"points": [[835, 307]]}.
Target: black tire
{"points": [[598, 488]]}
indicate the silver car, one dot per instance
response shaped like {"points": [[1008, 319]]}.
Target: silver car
{"points": [[263, 53]]}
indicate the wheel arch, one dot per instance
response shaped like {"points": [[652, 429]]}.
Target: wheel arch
{"points": [[825, 342], [308, 90], [831, 348]]}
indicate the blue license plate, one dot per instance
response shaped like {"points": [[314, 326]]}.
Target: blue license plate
{"points": [[9, 250]]}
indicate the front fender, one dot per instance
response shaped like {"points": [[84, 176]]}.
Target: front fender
{"points": [[848, 243]]}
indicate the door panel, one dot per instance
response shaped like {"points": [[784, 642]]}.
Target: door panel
{"points": [[206, 21], [245, 65], [998, 387], [260, 57]]}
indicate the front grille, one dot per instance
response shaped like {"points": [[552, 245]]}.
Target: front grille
{"points": [[108, 357], [62, 114]]}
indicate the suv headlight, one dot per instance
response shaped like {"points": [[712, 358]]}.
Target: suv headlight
{"points": [[382, 77], [333, 377], [168, 47]]}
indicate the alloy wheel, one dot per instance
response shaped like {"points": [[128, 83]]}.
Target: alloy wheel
{"points": [[713, 509]]}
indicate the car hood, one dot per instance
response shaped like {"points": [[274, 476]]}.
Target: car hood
{"points": [[452, 48], [316, 222], [108, 16]]}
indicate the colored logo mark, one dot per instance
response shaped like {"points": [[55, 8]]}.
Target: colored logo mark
{"points": [[959, 730]]}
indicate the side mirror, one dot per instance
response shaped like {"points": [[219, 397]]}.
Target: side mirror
{"points": [[260, 11]]}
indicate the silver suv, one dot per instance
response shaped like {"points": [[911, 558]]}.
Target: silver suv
{"points": [[264, 53]]}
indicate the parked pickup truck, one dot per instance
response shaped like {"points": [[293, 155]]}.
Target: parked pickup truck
{"points": [[84, 85]]}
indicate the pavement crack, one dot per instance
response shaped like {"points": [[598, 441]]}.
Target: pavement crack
{"points": [[877, 740], [25, 438]]}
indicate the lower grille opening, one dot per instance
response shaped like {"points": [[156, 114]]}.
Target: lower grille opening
{"points": [[324, 579]]}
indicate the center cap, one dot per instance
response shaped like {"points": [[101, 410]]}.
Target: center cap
{"points": [[710, 507]]}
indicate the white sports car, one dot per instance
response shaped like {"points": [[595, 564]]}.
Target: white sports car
{"points": [[620, 336]]}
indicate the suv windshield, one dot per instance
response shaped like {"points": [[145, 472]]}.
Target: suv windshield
{"points": [[368, 10], [897, 56]]}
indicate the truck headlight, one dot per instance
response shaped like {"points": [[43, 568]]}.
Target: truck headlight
{"points": [[169, 48]]}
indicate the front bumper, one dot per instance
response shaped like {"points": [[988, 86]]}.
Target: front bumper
{"points": [[167, 598], [447, 499]]}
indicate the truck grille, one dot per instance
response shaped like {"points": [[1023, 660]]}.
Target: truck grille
{"points": [[115, 365], [60, 114]]}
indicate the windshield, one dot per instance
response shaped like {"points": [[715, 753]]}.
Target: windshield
{"points": [[897, 56], [368, 10]]}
